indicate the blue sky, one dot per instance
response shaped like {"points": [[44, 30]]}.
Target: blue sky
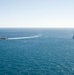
{"points": [[37, 13]]}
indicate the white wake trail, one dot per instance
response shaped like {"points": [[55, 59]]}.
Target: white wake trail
{"points": [[29, 37]]}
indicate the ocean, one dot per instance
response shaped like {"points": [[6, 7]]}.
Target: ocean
{"points": [[37, 51]]}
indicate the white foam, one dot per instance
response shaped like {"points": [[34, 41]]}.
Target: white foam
{"points": [[29, 37]]}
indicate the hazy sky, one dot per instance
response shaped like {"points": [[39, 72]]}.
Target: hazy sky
{"points": [[36, 13]]}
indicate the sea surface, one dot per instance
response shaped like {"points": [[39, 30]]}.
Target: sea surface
{"points": [[33, 51]]}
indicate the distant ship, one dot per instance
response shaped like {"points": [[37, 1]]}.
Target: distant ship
{"points": [[73, 37], [3, 38]]}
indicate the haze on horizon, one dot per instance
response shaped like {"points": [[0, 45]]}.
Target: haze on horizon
{"points": [[37, 13]]}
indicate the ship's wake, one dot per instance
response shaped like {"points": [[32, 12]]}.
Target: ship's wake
{"points": [[29, 37]]}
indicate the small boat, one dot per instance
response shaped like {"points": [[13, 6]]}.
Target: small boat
{"points": [[3, 38]]}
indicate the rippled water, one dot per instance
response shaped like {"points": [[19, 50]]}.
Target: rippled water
{"points": [[52, 53]]}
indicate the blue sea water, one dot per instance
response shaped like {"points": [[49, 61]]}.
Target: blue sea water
{"points": [[50, 53]]}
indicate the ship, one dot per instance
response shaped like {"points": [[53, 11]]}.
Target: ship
{"points": [[3, 38], [73, 37]]}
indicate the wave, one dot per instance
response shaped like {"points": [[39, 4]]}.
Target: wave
{"points": [[29, 37]]}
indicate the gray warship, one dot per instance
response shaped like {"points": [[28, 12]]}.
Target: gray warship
{"points": [[3, 38]]}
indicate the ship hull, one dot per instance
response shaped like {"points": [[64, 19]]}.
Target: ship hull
{"points": [[3, 38]]}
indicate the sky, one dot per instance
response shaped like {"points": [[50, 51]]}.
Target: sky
{"points": [[37, 13]]}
